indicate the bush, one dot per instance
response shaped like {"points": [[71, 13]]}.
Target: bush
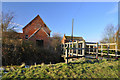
{"points": [[16, 54]]}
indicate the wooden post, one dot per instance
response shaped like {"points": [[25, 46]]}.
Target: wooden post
{"points": [[83, 48], [97, 50], [67, 54], [80, 49], [64, 48], [89, 49], [101, 50], [108, 51], [69, 47], [77, 48], [72, 48], [93, 48], [116, 51]]}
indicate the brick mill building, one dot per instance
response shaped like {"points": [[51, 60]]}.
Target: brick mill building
{"points": [[68, 39], [37, 32]]}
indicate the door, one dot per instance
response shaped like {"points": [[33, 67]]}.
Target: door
{"points": [[40, 43]]}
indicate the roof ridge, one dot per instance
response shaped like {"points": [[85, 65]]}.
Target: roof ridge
{"points": [[70, 36], [31, 21], [34, 19]]}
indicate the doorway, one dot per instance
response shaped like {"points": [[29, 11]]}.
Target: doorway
{"points": [[40, 43]]}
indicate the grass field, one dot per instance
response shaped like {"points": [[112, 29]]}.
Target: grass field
{"points": [[82, 68]]}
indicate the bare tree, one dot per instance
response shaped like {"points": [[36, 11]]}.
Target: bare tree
{"points": [[5, 21], [56, 42], [108, 34], [10, 38], [7, 28]]}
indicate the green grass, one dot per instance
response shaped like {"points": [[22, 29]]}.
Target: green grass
{"points": [[86, 68]]}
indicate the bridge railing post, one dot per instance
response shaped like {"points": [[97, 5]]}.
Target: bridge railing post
{"points": [[64, 48], [83, 48], [89, 49], [97, 50], [66, 52], [77, 48], [108, 50], [69, 47], [102, 50], [72, 48], [116, 51]]}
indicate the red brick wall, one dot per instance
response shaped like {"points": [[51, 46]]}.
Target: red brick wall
{"points": [[36, 23], [41, 35]]}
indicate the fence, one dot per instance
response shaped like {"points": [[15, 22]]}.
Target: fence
{"points": [[81, 48]]}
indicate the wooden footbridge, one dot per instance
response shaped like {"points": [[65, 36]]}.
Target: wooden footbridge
{"points": [[78, 49]]}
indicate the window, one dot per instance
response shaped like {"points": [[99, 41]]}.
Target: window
{"points": [[40, 43], [26, 36], [49, 34], [45, 25]]}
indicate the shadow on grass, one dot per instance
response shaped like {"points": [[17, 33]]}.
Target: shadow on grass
{"points": [[93, 61], [86, 61]]}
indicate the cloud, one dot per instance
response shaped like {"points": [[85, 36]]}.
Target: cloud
{"points": [[15, 24], [20, 31], [16, 28], [113, 10]]}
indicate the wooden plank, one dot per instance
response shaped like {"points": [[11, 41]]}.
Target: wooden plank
{"points": [[91, 44], [80, 41], [103, 54], [74, 57], [107, 44], [106, 49]]}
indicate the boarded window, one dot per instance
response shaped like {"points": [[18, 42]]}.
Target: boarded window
{"points": [[49, 34], [26, 36], [40, 43], [45, 25]]}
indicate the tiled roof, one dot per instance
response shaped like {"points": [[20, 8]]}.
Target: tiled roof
{"points": [[75, 38]]}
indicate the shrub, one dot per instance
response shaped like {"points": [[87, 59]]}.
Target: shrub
{"points": [[15, 54]]}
